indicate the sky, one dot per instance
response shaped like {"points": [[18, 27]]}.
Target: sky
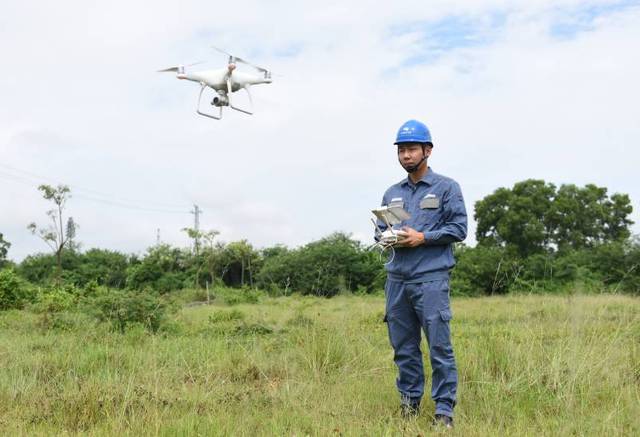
{"points": [[510, 90]]}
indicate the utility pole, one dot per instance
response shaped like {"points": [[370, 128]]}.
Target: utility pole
{"points": [[196, 226], [158, 237]]}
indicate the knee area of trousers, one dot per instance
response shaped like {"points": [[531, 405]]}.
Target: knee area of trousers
{"points": [[442, 357]]}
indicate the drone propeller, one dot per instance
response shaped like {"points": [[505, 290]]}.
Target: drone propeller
{"points": [[233, 59], [178, 68], [170, 69]]}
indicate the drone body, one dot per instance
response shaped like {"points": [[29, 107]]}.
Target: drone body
{"points": [[224, 82], [217, 79]]}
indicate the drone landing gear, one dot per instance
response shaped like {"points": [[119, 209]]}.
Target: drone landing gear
{"points": [[246, 88], [223, 99], [203, 86]]}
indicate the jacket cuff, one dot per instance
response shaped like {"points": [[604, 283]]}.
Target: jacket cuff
{"points": [[429, 236]]}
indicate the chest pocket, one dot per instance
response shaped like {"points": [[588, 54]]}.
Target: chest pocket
{"points": [[430, 211], [430, 201]]}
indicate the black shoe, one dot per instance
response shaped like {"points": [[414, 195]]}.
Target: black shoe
{"points": [[409, 411], [442, 420]]}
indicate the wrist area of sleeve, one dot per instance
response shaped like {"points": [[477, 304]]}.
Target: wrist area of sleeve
{"points": [[430, 236]]}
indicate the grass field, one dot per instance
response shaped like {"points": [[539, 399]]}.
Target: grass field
{"points": [[529, 365]]}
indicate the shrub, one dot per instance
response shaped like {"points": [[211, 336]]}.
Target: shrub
{"points": [[226, 316], [104, 267], [67, 321], [161, 269], [55, 299], [41, 268], [253, 329], [618, 264], [123, 308], [14, 292], [325, 267], [484, 270], [233, 296]]}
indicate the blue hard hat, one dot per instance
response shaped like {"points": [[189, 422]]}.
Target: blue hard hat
{"points": [[413, 131]]}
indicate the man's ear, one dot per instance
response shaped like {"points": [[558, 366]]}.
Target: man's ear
{"points": [[426, 150]]}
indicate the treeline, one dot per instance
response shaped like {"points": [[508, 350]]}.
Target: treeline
{"points": [[531, 237], [539, 237], [325, 267], [338, 264], [605, 267]]}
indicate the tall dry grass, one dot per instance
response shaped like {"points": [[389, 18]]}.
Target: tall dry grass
{"points": [[529, 365]]}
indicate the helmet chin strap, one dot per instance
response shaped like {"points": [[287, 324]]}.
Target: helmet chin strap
{"points": [[417, 165]]}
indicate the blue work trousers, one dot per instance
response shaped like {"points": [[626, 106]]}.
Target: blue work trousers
{"points": [[411, 307]]}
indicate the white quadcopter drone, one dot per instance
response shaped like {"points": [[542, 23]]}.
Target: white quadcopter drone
{"points": [[224, 82]]}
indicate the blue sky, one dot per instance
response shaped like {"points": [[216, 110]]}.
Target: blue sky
{"points": [[440, 36], [569, 22], [437, 38]]}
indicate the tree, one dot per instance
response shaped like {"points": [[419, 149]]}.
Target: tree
{"points": [[516, 217], [484, 269], [162, 269], [105, 267], [13, 290], [4, 248], [239, 261], [535, 217], [41, 268], [211, 254], [204, 257], [325, 267], [72, 229], [585, 217], [194, 234], [54, 235]]}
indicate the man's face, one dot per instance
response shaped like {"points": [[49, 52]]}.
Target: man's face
{"points": [[410, 154]]}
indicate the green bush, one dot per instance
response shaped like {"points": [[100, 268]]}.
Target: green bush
{"points": [[253, 329], [618, 264], [325, 267], [613, 266], [226, 316], [14, 292], [104, 267], [162, 269], [123, 308], [54, 299], [42, 269], [235, 296], [484, 270], [67, 321]]}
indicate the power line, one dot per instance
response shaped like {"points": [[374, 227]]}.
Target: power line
{"points": [[99, 198], [89, 193]]}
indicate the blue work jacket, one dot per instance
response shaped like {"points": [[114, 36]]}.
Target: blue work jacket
{"points": [[437, 210]]}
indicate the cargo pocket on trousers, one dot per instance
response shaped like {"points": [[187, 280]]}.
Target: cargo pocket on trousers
{"points": [[443, 332], [446, 315]]}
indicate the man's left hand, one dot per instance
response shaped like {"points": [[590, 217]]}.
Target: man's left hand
{"points": [[412, 237]]}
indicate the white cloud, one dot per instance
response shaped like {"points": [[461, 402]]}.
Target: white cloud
{"points": [[82, 105]]}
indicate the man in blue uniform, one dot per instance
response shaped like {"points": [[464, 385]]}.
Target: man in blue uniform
{"points": [[417, 287]]}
